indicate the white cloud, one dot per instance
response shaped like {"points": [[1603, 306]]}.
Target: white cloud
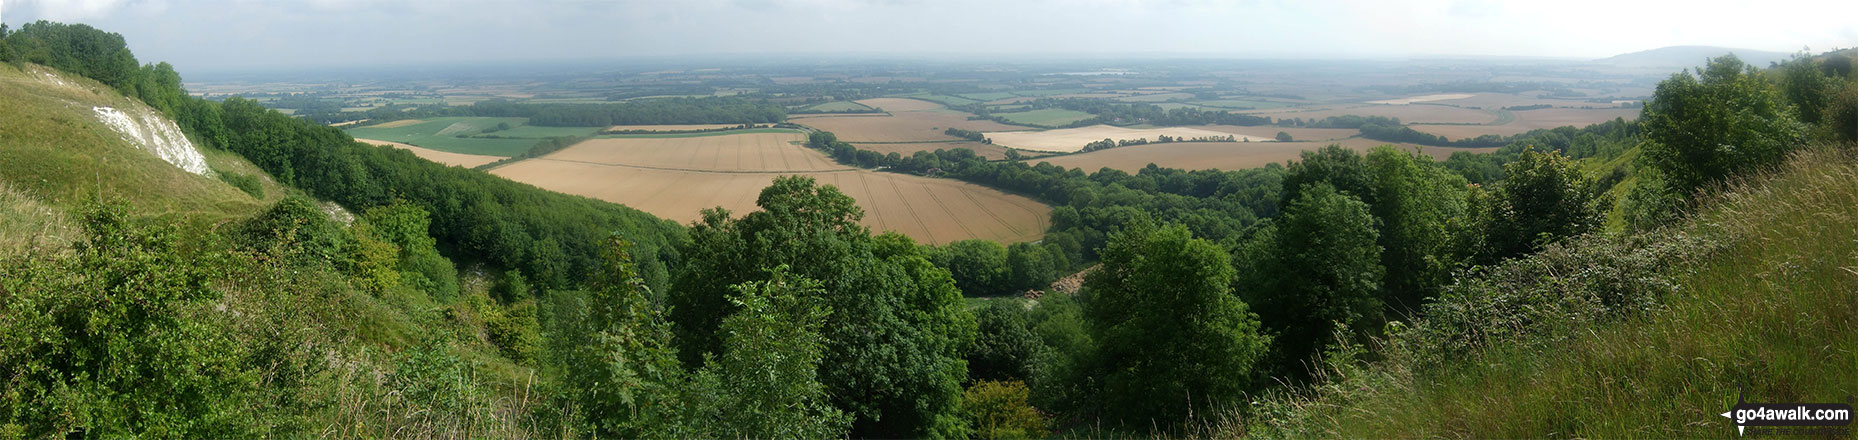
{"points": [[68, 10]]}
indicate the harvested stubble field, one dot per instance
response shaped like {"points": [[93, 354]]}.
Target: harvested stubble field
{"points": [[677, 178], [909, 120], [1424, 98], [759, 152], [455, 159], [1073, 139], [1221, 155], [1533, 119]]}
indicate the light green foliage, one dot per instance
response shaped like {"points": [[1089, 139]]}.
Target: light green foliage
{"points": [[897, 329], [429, 374], [370, 259], [1545, 199], [1005, 348], [109, 342], [1000, 411], [1700, 129], [765, 384], [1318, 265], [978, 266], [1172, 337], [513, 329], [246, 183], [405, 225]]}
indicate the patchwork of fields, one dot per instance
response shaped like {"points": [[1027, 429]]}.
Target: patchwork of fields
{"points": [[1073, 139], [1221, 155], [676, 178]]}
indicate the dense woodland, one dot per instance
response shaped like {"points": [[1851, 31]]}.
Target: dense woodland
{"points": [[1208, 287]]}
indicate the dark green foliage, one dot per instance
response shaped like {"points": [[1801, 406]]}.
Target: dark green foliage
{"points": [[248, 184], [1341, 168], [1004, 346], [1062, 380], [1544, 199], [897, 330], [1283, 136], [303, 229], [1316, 266], [406, 226], [1725, 119], [115, 341], [978, 266], [1421, 211], [430, 375], [1172, 337], [1805, 85], [78, 49], [610, 351], [1651, 203], [551, 237], [1034, 266], [1842, 113], [766, 382]]}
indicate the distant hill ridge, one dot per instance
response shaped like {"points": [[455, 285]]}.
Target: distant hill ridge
{"points": [[1690, 56]]}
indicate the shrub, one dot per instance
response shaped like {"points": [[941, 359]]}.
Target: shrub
{"points": [[999, 411]]}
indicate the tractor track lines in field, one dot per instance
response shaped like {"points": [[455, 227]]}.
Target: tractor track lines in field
{"points": [[991, 213], [911, 207], [951, 213]]}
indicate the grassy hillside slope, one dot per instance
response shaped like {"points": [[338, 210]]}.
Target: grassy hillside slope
{"points": [[53, 146], [218, 336], [1651, 335]]}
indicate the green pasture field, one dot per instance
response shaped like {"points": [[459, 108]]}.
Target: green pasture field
{"points": [[837, 106], [441, 134]]}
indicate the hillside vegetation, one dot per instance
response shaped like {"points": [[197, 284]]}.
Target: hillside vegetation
{"points": [[309, 285]]}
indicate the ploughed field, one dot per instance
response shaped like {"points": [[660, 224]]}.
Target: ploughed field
{"points": [[677, 178]]}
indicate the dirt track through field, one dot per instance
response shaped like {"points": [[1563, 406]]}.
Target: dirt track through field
{"points": [[676, 178]]}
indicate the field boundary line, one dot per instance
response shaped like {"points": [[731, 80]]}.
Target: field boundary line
{"points": [[911, 207]]}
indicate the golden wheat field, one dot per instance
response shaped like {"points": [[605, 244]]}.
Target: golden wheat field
{"points": [[677, 178], [1533, 119], [909, 120]]}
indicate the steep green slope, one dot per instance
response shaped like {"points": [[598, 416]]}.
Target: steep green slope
{"points": [[1651, 335], [53, 146], [136, 299]]}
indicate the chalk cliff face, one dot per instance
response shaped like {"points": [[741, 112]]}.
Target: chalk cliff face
{"points": [[150, 131]]}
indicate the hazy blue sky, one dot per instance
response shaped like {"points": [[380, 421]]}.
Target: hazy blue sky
{"points": [[234, 34]]}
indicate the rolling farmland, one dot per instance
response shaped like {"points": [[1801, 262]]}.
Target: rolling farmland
{"points": [[1219, 155], [676, 178], [1532, 119], [442, 134], [910, 120], [1073, 139]]}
